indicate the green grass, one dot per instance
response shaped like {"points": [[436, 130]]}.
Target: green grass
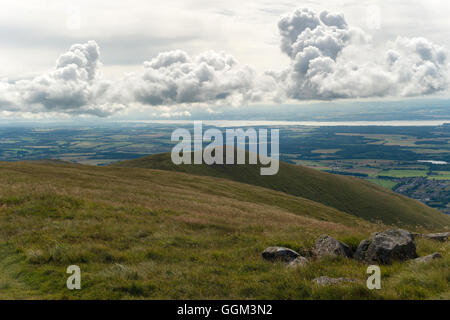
{"points": [[348, 194], [151, 234], [403, 173], [388, 184], [442, 175]]}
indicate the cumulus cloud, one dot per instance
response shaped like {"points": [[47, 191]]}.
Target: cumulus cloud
{"points": [[172, 79], [74, 87], [176, 78], [330, 59]]}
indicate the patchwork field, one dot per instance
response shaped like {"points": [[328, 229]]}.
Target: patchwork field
{"points": [[388, 156]]}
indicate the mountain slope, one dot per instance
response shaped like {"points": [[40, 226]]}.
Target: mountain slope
{"points": [[143, 233], [153, 234], [347, 194]]}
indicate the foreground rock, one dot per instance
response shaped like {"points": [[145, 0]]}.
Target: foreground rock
{"points": [[388, 246], [298, 262], [329, 246], [438, 236], [325, 281], [428, 258], [280, 254]]}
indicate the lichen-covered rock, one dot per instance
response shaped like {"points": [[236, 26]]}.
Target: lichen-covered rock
{"points": [[298, 262], [428, 258], [324, 281], [328, 246], [438, 236], [385, 247], [279, 254]]}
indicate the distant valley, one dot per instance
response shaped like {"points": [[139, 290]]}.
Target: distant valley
{"points": [[390, 156]]}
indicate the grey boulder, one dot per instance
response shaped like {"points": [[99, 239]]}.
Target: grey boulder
{"points": [[428, 258], [279, 254], [386, 247], [298, 262], [438, 236], [360, 252], [329, 246]]}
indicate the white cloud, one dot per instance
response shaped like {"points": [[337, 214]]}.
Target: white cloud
{"points": [[176, 78], [74, 87], [330, 59], [327, 59], [172, 79]]}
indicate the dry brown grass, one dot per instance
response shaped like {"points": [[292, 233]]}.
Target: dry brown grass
{"points": [[140, 233]]}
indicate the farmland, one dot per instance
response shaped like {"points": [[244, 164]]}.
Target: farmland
{"points": [[388, 156]]}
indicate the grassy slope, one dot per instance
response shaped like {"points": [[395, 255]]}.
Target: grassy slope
{"points": [[348, 194], [139, 233]]}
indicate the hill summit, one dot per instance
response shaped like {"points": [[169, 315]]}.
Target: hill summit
{"points": [[348, 194]]}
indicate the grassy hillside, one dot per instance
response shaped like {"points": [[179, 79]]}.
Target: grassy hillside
{"points": [[347, 194], [148, 234]]}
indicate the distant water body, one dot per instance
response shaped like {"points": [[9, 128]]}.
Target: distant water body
{"points": [[433, 161], [250, 123]]}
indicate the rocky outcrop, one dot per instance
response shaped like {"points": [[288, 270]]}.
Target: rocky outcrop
{"points": [[437, 236], [428, 258], [298, 262], [386, 247], [279, 254], [328, 246], [324, 281]]}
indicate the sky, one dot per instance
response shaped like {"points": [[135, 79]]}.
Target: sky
{"points": [[169, 59]]}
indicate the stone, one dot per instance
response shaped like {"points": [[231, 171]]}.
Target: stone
{"points": [[361, 250], [325, 281], [429, 258], [298, 262], [385, 247], [438, 236], [328, 246], [279, 254]]}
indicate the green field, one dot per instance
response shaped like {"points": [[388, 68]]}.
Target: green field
{"points": [[403, 173], [384, 183], [441, 175]]}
